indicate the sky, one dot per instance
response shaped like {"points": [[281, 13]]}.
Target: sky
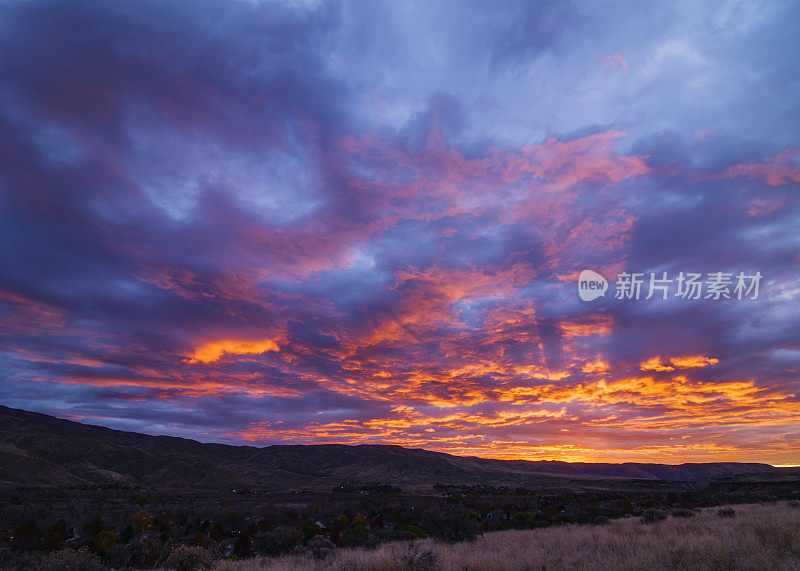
{"points": [[364, 222]]}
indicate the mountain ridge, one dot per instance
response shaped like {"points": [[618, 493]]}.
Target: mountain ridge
{"points": [[39, 449]]}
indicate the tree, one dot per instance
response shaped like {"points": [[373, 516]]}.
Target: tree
{"points": [[309, 528], [242, 548], [141, 520], [94, 527], [450, 524], [55, 536], [26, 536], [279, 541], [126, 534]]}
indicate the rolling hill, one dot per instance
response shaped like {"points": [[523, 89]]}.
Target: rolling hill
{"points": [[37, 449]]}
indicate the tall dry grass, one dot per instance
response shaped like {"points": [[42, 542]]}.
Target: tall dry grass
{"points": [[758, 537]]}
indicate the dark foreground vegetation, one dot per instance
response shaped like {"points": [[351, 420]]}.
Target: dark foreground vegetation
{"points": [[121, 527], [75, 496], [746, 537]]}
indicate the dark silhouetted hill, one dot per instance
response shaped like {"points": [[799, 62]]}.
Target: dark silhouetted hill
{"points": [[37, 449]]}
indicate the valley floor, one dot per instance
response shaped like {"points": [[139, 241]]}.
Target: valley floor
{"points": [[757, 537]]}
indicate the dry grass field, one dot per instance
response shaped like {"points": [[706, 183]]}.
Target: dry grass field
{"points": [[757, 537]]}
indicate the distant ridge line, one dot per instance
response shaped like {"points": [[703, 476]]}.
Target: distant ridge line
{"points": [[39, 449]]}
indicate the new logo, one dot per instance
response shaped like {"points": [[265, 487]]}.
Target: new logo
{"points": [[591, 285]]}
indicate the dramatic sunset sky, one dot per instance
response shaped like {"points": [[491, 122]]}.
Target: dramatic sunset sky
{"points": [[363, 222]]}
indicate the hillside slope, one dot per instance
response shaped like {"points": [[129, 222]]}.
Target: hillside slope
{"points": [[37, 449]]}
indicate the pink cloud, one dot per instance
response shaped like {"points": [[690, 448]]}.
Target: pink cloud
{"points": [[616, 62], [782, 168]]}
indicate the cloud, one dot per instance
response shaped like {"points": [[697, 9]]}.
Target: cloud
{"points": [[782, 168], [212, 351], [534, 27], [616, 61], [363, 223], [672, 363]]}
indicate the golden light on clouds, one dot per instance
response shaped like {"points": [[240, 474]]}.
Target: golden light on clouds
{"points": [[212, 351], [672, 363]]}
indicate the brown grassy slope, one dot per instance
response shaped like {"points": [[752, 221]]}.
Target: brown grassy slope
{"points": [[758, 537]]}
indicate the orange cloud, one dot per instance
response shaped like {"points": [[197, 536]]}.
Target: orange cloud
{"points": [[693, 361], [212, 351], [655, 364], [597, 366], [672, 363], [627, 419]]}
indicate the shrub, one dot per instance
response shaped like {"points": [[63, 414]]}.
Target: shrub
{"points": [[149, 553], [319, 547], [15, 560], [601, 520], [55, 536], [141, 520], [412, 532], [309, 529], [242, 547], [726, 512], [26, 537], [189, 558], [70, 560], [450, 524], [104, 541], [279, 541], [683, 513], [563, 519], [357, 534], [410, 556], [652, 516], [126, 534], [265, 524]]}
